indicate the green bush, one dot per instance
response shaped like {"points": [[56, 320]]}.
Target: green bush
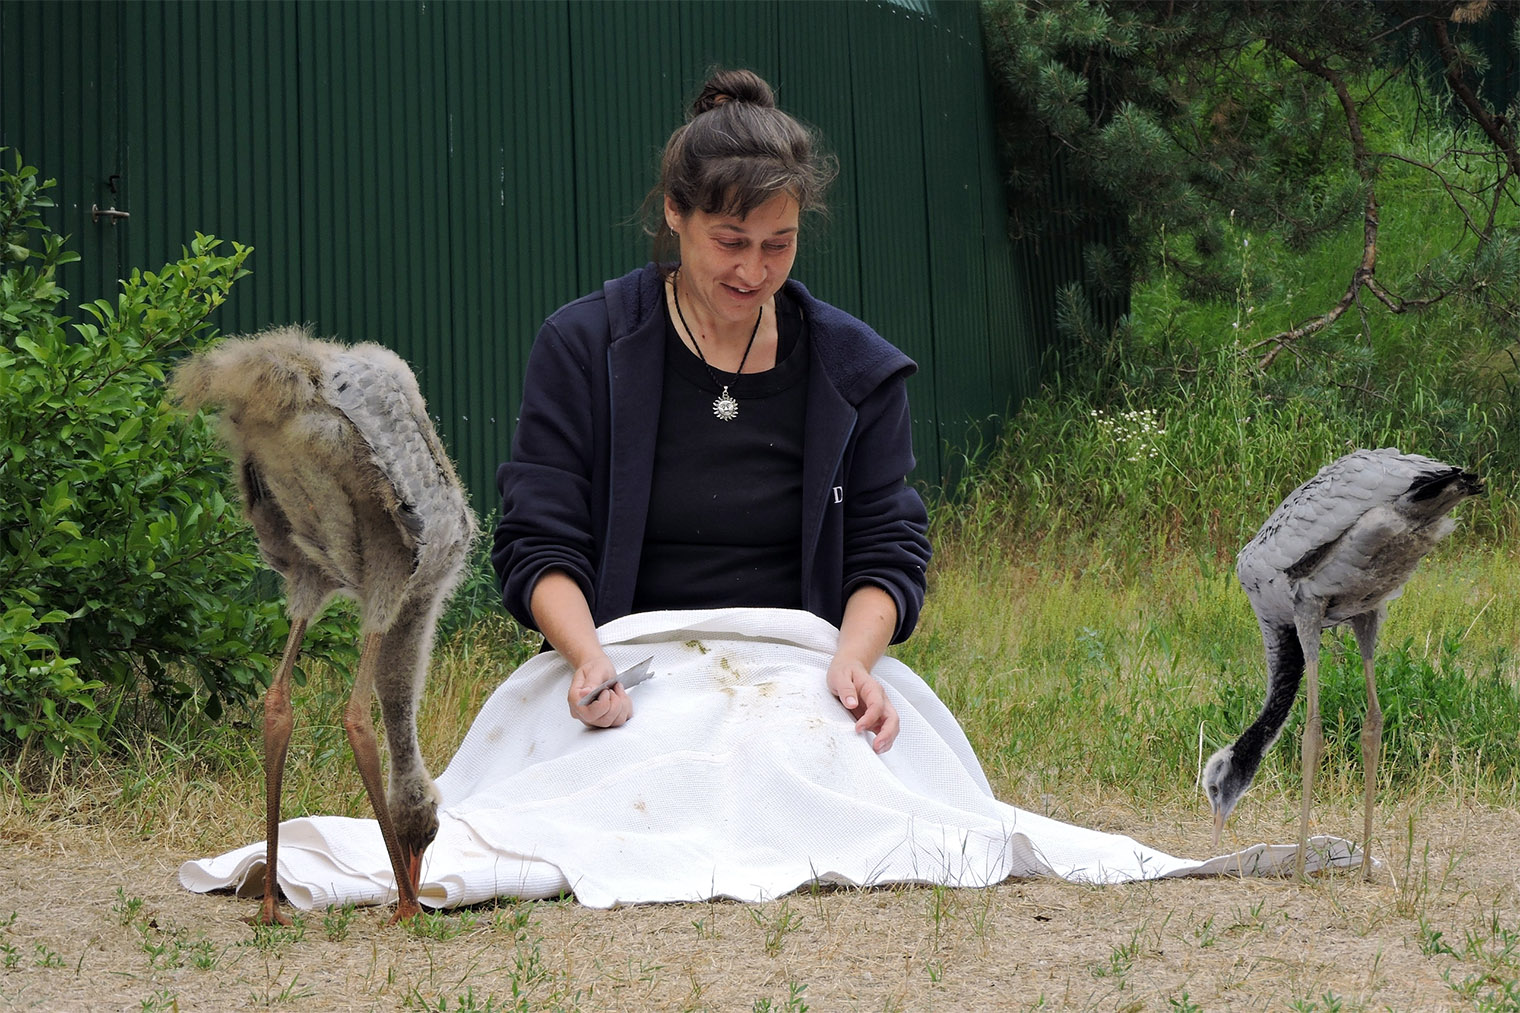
{"points": [[124, 570]]}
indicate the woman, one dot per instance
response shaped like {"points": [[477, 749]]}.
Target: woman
{"points": [[705, 433]]}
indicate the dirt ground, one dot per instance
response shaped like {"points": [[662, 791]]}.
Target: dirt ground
{"points": [[92, 921]]}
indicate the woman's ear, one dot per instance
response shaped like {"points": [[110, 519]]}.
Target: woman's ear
{"points": [[673, 216]]}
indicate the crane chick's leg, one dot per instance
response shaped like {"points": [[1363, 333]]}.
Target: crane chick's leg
{"points": [[1309, 621], [278, 720], [1366, 628], [361, 736]]}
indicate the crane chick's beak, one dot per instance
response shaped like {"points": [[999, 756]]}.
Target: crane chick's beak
{"points": [[1219, 819]]}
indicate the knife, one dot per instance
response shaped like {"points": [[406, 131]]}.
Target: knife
{"points": [[629, 678]]}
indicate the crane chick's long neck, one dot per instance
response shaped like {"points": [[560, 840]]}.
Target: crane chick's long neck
{"points": [[1285, 669]]}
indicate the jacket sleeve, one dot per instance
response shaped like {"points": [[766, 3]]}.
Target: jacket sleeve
{"points": [[546, 486], [885, 523]]}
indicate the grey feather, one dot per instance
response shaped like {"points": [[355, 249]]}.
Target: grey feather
{"points": [[375, 391], [1351, 536]]}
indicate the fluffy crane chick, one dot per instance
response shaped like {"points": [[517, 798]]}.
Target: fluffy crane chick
{"points": [[350, 492]]}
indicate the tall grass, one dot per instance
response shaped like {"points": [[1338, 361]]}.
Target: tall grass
{"points": [[1195, 461], [1077, 675], [1084, 620]]}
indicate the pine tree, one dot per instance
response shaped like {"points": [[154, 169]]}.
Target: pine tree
{"points": [[1176, 117]]}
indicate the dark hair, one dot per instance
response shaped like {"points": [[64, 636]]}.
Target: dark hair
{"points": [[736, 151]]}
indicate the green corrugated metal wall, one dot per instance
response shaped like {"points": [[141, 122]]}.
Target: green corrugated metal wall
{"points": [[441, 176]]}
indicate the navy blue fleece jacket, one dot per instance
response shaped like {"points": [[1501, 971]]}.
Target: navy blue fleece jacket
{"points": [[576, 491]]}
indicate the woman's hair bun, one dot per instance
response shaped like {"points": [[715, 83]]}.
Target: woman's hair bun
{"points": [[735, 151], [733, 86]]}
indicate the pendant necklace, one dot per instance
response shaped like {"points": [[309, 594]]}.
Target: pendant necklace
{"points": [[724, 406]]}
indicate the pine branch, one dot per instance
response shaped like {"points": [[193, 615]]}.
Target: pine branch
{"points": [[1365, 274], [1201, 279], [1454, 192], [1285, 339], [1367, 171], [1496, 130], [1398, 304]]}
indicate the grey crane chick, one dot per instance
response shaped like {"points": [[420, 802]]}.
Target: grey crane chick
{"points": [[1338, 549], [350, 492]]}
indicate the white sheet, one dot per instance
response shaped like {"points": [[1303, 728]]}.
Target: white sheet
{"points": [[739, 776]]}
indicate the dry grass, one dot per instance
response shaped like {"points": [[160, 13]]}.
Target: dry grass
{"points": [[100, 923], [92, 917]]}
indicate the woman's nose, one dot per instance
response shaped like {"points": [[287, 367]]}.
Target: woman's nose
{"points": [[751, 269]]}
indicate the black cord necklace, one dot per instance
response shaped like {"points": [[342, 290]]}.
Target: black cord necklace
{"points": [[724, 406]]}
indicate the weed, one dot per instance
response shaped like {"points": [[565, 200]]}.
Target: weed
{"points": [[163, 1000], [442, 927], [1251, 918], [336, 921], [126, 909], [939, 907], [981, 916], [204, 955], [1485, 992], [792, 1004], [1493, 944], [469, 1002], [1120, 959], [10, 955], [1432, 941], [512, 919], [776, 926], [693, 1001], [163, 949], [1411, 889], [293, 992], [272, 940]]}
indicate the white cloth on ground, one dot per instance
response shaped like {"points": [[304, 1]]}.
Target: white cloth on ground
{"points": [[738, 776]]}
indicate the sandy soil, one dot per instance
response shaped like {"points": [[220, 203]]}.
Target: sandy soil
{"points": [[91, 920]]}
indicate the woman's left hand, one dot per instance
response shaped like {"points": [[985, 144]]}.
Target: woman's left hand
{"points": [[865, 698]]}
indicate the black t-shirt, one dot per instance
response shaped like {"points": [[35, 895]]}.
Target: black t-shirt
{"points": [[725, 504]]}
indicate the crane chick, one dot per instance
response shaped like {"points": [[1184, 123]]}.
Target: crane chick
{"points": [[350, 492], [1337, 550]]}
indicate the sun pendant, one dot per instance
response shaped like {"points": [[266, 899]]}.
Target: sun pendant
{"points": [[725, 407]]}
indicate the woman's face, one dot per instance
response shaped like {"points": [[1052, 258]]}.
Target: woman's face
{"points": [[732, 266]]}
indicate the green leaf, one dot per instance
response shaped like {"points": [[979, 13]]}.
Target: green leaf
{"points": [[26, 344]]}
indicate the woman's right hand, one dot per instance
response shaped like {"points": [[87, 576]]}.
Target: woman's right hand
{"points": [[560, 609], [612, 707]]}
